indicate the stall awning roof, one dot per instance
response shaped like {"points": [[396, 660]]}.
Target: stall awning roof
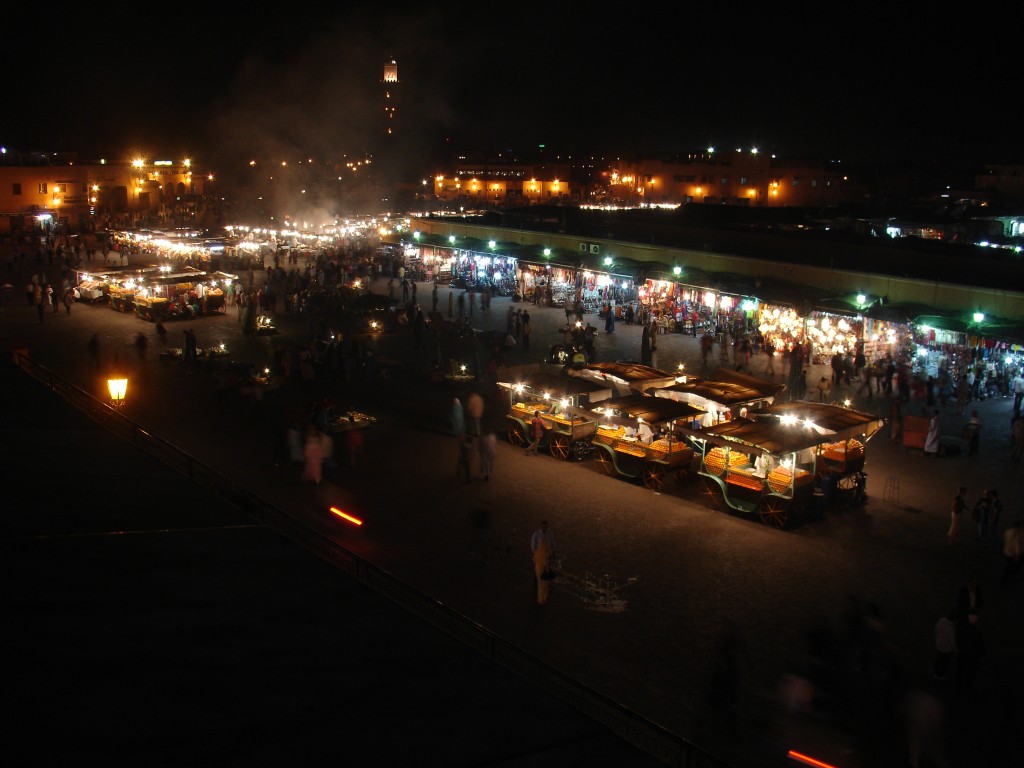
{"points": [[556, 386], [817, 423], [653, 410], [942, 322], [625, 375], [725, 388]]}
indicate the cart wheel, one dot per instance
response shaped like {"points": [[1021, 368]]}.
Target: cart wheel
{"points": [[558, 444], [711, 494], [517, 434], [774, 511], [847, 483], [603, 462], [654, 476]]}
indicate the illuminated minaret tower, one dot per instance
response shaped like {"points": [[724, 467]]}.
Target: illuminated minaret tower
{"points": [[390, 96]]}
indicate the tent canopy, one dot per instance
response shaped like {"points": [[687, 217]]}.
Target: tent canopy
{"points": [[653, 410], [811, 424], [625, 377]]}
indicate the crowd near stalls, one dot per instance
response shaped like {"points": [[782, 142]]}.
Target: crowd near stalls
{"points": [[158, 293], [675, 307], [858, 336], [464, 263], [922, 356]]}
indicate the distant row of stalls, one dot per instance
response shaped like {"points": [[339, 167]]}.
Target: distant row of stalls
{"points": [[243, 249], [158, 293], [678, 300]]}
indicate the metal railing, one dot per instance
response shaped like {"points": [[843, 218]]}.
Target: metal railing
{"points": [[631, 727]]}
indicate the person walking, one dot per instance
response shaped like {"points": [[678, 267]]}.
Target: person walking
{"points": [[957, 509], [69, 299], [356, 451], [524, 330], [945, 645], [995, 512], [969, 599], [536, 433], [837, 368], [140, 345], [769, 351], [451, 304], [1017, 388], [542, 548], [970, 650], [931, 440], [801, 384], [972, 433], [313, 456], [979, 514], [474, 414], [488, 448], [465, 459], [1017, 429], [458, 418], [94, 351], [433, 299], [1011, 552], [867, 374]]}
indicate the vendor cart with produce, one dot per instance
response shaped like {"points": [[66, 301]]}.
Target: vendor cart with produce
{"points": [[557, 398], [771, 462], [636, 438]]}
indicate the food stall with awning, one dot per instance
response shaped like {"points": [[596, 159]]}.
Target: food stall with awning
{"points": [[771, 461], [557, 398], [636, 438], [181, 293]]}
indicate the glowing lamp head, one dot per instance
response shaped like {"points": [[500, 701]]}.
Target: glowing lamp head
{"points": [[117, 386]]}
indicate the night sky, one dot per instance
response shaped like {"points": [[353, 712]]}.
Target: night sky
{"points": [[219, 84]]}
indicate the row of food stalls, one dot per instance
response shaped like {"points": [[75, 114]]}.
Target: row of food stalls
{"points": [[158, 293], [674, 300]]}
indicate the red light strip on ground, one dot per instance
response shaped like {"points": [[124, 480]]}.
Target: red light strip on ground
{"points": [[794, 755], [346, 516]]}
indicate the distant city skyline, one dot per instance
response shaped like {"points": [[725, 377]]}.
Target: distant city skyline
{"points": [[480, 78]]}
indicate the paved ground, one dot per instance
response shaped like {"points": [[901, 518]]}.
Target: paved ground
{"points": [[683, 571]]}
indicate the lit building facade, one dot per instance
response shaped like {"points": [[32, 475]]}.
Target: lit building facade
{"points": [[506, 183], [737, 178], [70, 194]]}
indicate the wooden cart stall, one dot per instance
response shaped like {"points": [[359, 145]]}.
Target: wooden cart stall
{"points": [[118, 285], [770, 461], [842, 456], [625, 378], [620, 446], [122, 298], [558, 399], [182, 293], [723, 395]]}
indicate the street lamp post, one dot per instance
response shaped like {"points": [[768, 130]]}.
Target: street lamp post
{"points": [[117, 385]]}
